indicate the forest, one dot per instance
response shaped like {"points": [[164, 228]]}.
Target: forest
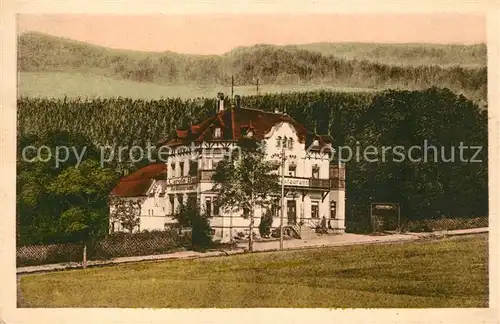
{"points": [[363, 66], [63, 204]]}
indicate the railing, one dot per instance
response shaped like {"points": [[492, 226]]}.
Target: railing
{"points": [[337, 184], [319, 183], [206, 175], [291, 229], [311, 222]]}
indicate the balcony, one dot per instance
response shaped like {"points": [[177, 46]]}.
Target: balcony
{"points": [[206, 175], [313, 183], [319, 183]]}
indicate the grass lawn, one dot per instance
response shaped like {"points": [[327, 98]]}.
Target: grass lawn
{"points": [[450, 272]]}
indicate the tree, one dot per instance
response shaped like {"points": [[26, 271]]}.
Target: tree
{"points": [[246, 180], [188, 215], [125, 211], [38, 208], [83, 195]]}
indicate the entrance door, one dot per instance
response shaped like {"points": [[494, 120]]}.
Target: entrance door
{"points": [[291, 211]]}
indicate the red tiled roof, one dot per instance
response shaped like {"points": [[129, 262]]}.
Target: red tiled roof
{"points": [[233, 121], [137, 183]]}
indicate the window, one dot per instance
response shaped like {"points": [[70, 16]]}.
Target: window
{"points": [[172, 166], [193, 168], [181, 169], [191, 200], [218, 133], [333, 209], [278, 142], [284, 142], [246, 212], [315, 142], [208, 206], [172, 206], [292, 170], [290, 143], [275, 208], [315, 209], [214, 164], [216, 209], [315, 171]]}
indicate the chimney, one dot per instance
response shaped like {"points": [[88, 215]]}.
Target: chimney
{"points": [[220, 101], [238, 101]]}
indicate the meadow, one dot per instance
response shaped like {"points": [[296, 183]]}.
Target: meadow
{"points": [[450, 272], [92, 86]]}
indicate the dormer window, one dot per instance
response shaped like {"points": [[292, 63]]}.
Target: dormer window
{"points": [[315, 171], [315, 142], [218, 132], [181, 169]]}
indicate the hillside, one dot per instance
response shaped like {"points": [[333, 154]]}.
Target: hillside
{"points": [[461, 68]]}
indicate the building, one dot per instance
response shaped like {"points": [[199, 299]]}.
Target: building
{"points": [[146, 186], [314, 188]]}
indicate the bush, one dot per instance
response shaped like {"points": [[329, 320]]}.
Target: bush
{"points": [[201, 234], [190, 216], [266, 222], [322, 228]]}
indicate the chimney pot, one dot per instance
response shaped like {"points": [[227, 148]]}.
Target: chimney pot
{"points": [[238, 101], [220, 101]]}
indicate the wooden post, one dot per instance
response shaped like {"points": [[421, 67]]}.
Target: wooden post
{"points": [[84, 262], [282, 196], [232, 87], [399, 218]]}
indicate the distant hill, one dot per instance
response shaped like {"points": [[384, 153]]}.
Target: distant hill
{"points": [[461, 68]]}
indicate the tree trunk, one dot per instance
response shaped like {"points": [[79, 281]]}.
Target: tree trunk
{"points": [[252, 215], [251, 226]]}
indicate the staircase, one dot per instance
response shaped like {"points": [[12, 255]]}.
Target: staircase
{"points": [[308, 233], [293, 231], [300, 232]]}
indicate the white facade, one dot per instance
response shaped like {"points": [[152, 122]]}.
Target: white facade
{"points": [[311, 191]]}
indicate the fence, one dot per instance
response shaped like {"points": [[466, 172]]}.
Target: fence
{"points": [[116, 245], [364, 225], [445, 224]]}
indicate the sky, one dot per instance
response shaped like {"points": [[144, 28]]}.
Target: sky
{"points": [[219, 33]]}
